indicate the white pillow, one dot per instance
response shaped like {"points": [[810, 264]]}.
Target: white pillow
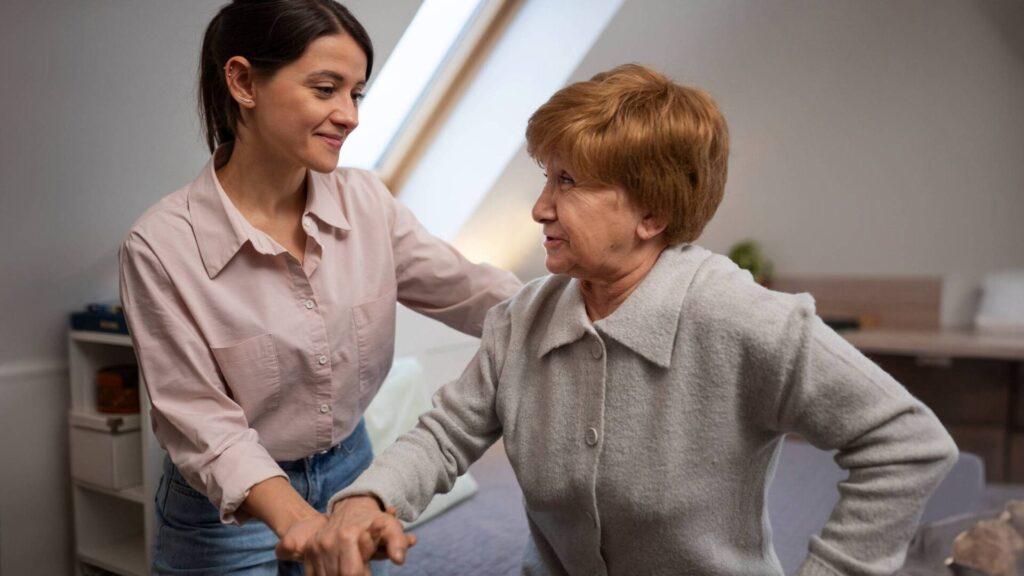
{"points": [[403, 396]]}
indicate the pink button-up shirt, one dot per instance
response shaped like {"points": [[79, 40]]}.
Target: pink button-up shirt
{"points": [[251, 357]]}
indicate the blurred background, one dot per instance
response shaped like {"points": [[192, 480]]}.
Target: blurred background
{"points": [[871, 142]]}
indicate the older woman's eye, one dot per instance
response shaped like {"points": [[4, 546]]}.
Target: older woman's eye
{"points": [[567, 180]]}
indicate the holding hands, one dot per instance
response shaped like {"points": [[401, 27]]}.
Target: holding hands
{"points": [[344, 542]]}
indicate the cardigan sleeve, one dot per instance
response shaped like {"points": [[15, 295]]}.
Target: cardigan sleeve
{"points": [[894, 448], [448, 438]]}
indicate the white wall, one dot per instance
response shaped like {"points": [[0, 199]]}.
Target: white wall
{"points": [[869, 138], [98, 123]]}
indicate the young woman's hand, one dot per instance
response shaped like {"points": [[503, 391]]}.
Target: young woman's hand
{"points": [[356, 532]]}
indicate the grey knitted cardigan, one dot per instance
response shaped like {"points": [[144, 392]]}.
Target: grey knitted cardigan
{"points": [[644, 442]]}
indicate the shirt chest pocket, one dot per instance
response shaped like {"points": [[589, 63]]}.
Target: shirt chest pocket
{"points": [[252, 373], [375, 338]]}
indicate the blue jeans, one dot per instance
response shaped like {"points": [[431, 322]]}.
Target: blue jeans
{"points": [[192, 540]]}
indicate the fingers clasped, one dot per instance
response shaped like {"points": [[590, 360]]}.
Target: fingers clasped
{"points": [[355, 533]]}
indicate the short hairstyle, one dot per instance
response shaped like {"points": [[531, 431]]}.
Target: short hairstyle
{"points": [[270, 34], [665, 144]]}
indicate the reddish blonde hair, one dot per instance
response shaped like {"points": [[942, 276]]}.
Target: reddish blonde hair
{"points": [[666, 145]]}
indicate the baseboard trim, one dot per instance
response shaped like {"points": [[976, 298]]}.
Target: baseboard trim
{"points": [[34, 369]]}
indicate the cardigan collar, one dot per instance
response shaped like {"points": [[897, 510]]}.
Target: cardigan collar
{"points": [[646, 322], [569, 320], [221, 230]]}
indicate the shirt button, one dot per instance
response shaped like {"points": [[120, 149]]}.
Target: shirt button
{"points": [[309, 304], [591, 436], [321, 359], [324, 408], [308, 223]]}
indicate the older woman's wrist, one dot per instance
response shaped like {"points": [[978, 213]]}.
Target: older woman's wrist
{"points": [[363, 500]]}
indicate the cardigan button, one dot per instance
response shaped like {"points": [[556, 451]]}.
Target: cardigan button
{"points": [[591, 436], [596, 350]]}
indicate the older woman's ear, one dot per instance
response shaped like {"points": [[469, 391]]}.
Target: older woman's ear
{"points": [[650, 226]]}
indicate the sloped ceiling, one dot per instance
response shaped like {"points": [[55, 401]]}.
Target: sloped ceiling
{"points": [[867, 138]]}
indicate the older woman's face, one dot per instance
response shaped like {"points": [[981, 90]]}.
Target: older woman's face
{"points": [[590, 231]]}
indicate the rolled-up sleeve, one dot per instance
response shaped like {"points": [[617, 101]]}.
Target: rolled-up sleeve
{"points": [[436, 280], [203, 430]]}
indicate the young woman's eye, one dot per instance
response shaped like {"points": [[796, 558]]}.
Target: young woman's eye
{"points": [[324, 91], [358, 98]]}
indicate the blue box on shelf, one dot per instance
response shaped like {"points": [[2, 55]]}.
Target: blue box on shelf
{"points": [[100, 318]]}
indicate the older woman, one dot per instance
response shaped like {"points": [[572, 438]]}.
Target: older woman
{"points": [[643, 389]]}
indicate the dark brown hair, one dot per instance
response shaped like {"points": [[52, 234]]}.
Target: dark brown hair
{"points": [[665, 144], [269, 34]]}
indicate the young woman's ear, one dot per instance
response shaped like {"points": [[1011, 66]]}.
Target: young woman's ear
{"points": [[238, 75], [650, 226]]}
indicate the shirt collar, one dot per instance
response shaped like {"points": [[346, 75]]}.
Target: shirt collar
{"points": [[322, 201], [647, 321], [221, 230]]}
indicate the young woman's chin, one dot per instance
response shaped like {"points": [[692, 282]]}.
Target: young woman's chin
{"points": [[322, 162]]}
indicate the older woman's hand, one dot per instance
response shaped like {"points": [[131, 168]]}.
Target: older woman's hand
{"points": [[356, 532], [293, 543]]}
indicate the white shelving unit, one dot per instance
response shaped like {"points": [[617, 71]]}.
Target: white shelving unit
{"points": [[114, 527]]}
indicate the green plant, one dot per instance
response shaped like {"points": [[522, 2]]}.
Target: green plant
{"points": [[749, 256]]}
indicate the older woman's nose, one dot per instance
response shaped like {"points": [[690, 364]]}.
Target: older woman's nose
{"points": [[543, 208]]}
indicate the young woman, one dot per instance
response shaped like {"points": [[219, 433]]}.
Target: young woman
{"points": [[261, 297]]}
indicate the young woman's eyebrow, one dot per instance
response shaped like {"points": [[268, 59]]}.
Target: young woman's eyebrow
{"points": [[332, 75], [327, 74]]}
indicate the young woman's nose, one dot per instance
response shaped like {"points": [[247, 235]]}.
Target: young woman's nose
{"points": [[345, 114]]}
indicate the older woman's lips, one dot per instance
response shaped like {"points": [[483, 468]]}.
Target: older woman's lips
{"points": [[552, 242]]}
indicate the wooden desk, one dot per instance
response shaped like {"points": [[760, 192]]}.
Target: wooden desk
{"points": [[938, 343]]}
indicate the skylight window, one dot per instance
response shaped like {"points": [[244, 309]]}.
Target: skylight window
{"points": [[418, 57]]}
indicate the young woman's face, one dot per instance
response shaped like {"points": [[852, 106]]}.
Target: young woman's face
{"points": [[304, 111]]}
